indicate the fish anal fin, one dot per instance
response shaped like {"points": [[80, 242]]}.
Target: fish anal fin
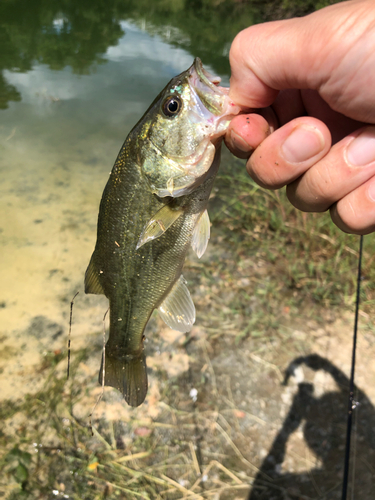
{"points": [[127, 374], [177, 310], [92, 283], [201, 234], [159, 224]]}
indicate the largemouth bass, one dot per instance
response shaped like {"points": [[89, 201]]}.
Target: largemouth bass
{"points": [[152, 210]]}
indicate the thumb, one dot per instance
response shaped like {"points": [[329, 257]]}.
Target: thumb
{"points": [[299, 53]]}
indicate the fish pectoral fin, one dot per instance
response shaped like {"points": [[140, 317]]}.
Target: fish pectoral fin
{"points": [[127, 374], [92, 283], [177, 310], [201, 234], [159, 223]]}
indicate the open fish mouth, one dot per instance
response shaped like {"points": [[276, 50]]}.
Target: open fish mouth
{"points": [[205, 87], [211, 80], [212, 103]]}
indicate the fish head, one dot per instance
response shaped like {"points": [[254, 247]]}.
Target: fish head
{"points": [[182, 130]]}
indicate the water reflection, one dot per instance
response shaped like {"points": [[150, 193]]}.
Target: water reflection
{"points": [[74, 34], [79, 34]]}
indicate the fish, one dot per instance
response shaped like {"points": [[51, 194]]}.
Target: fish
{"points": [[153, 209]]}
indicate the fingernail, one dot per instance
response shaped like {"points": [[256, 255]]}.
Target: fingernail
{"points": [[302, 144], [240, 143], [361, 151]]}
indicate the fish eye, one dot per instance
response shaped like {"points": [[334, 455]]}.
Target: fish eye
{"points": [[171, 106]]}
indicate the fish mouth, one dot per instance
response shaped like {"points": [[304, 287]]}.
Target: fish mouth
{"points": [[205, 76], [211, 102], [206, 89]]}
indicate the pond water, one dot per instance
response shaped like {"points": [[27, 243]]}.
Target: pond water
{"points": [[76, 77]]}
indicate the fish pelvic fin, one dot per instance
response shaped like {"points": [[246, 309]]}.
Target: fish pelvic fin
{"points": [[127, 374]]}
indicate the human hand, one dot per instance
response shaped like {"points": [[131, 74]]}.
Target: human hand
{"points": [[318, 137]]}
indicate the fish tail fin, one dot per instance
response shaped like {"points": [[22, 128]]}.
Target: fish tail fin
{"points": [[127, 374]]}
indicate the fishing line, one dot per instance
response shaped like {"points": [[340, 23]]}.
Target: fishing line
{"points": [[70, 331], [355, 444], [103, 375], [352, 404]]}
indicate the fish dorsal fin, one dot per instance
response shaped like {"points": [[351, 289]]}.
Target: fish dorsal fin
{"points": [[92, 283], [201, 234], [178, 310], [159, 223]]}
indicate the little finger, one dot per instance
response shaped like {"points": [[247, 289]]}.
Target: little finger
{"points": [[355, 213]]}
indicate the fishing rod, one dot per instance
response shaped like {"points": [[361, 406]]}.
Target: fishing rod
{"points": [[351, 403]]}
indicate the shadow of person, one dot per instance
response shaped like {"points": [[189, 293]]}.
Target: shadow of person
{"points": [[323, 422]]}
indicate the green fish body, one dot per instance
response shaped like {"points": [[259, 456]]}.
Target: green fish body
{"points": [[152, 210]]}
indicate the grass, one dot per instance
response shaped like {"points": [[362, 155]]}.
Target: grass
{"points": [[307, 256]]}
